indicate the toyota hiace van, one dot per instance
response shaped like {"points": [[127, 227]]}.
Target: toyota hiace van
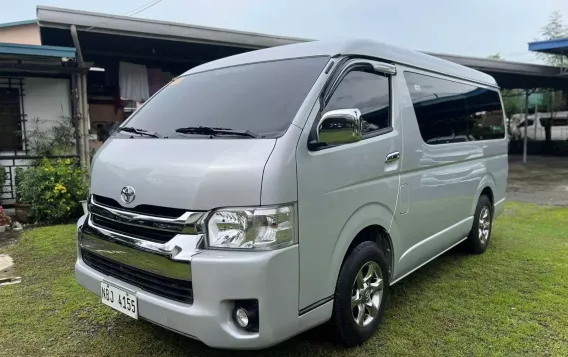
{"points": [[263, 194]]}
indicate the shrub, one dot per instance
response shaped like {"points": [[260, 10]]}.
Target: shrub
{"points": [[53, 189]]}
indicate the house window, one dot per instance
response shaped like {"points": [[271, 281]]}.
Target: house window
{"points": [[10, 119]]}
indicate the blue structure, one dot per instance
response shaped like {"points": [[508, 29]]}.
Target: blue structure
{"points": [[36, 50], [553, 47], [25, 60]]}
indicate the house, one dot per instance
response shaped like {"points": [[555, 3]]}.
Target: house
{"points": [[35, 96]]}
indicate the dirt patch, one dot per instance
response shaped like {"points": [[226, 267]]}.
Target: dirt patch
{"points": [[9, 238], [541, 180]]}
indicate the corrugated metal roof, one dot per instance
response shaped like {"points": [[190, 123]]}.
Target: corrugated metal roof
{"points": [[133, 26], [36, 50], [18, 23], [508, 74]]}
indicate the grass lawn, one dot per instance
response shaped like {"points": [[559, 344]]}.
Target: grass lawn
{"points": [[511, 301]]}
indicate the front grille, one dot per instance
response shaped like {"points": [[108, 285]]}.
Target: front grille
{"points": [[143, 209], [174, 289], [149, 234]]}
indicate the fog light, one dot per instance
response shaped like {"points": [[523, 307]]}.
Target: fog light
{"points": [[241, 316], [245, 315]]}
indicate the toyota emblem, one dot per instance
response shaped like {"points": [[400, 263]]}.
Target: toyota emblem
{"points": [[127, 194]]}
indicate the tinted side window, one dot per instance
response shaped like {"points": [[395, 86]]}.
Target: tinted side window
{"points": [[449, 112], [367, 91], [440, 108], [485, 114]]}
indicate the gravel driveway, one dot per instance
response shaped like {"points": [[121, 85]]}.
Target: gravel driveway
{"points": [[542, 180]]}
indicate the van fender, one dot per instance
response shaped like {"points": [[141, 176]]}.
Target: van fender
{"points": [[487, 181], [368, 215]]}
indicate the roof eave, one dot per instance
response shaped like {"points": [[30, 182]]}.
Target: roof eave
{"points": [[37, 50], [132, 26]]}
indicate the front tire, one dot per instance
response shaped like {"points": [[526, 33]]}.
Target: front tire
{"points": [[360, 295], [480, 234]]}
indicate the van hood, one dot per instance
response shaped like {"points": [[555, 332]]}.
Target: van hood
{"points": [[192, 174]]}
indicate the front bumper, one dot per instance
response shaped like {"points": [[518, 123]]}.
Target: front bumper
{"points": [[219, 278]]}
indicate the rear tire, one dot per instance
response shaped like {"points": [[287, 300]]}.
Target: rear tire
{"points": [[480, 234], [360, 295]]}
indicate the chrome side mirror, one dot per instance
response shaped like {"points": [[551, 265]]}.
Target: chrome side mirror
{"points": [[341, 126]]}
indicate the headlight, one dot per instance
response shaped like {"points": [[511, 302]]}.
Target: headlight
{"points": [[252, 228]]}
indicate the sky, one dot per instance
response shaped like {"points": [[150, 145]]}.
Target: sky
{"points": [[462, 27]]}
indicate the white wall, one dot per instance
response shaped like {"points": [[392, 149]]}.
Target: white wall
{"points": [[49, 100]]}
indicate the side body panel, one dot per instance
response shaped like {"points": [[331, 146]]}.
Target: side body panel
{"points": [[341, 190], [442, 184]]}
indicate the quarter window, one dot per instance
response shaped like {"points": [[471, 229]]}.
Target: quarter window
{"points": [[367, 91], [450, 112]]}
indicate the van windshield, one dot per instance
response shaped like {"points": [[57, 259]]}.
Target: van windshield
{"points": [[260, 98]]}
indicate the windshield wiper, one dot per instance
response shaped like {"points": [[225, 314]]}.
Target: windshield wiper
{"points": [[140, 132], [206, 130]]}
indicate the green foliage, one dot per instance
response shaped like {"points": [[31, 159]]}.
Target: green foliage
{"points": [[50, 138], [17, 179], [54, 189], [513, 101]]}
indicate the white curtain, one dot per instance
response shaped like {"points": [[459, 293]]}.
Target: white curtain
{"points": [[133, 82]]}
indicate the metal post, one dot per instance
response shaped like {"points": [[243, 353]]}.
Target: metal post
{"points": [[86, 123], [525, 140], [561, 61], [536, 119], [75, 111], [81, 117]]}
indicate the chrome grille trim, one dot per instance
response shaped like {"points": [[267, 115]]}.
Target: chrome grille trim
{"points": [[152, 263], [188, 223], [180, 248]]}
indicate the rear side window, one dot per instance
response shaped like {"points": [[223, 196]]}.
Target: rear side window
{"points": [[367, 91], [451, 112]]}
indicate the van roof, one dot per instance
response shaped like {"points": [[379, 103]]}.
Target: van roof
{"points": [[367, 48]]}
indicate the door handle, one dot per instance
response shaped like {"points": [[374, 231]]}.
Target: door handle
{"points": [[392, 157]]}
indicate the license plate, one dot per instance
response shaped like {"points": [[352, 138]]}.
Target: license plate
{"points": [[119, 299]]}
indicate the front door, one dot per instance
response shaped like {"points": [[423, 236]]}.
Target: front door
{"points": [[349, 185]]}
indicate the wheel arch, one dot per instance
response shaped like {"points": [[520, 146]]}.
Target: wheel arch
{"points": [[486, 187], [368, 223]]}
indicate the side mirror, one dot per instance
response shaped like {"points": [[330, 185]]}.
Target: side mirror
{"points": [[337, 127]]}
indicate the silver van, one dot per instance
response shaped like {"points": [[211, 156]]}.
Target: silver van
{"points": [[261, 195]]}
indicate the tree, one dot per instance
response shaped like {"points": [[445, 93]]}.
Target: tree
{"points": [[554, 29], [512, 98]]}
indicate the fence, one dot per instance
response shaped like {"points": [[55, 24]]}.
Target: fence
{"points": [[10, 164]]}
